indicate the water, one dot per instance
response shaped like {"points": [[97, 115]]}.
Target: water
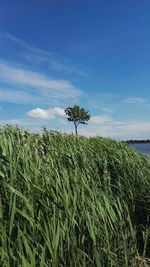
{"points": [[143, 148]]}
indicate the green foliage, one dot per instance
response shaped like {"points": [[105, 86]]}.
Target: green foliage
{"points": [[77, 115], [71, 201]]}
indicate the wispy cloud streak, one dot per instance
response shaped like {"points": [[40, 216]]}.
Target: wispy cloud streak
{"points": [[135, 100], [41, 57], [31, 82]]}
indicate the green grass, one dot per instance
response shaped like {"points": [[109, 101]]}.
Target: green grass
{"points": [[71, 201]]}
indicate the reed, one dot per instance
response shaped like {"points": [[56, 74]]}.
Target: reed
{"points": [[71, 201]]}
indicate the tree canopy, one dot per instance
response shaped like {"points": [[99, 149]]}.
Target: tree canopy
{"points": [[77, 115]]}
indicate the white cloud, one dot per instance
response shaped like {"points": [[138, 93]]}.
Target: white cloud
{"points": [[135, 100], [40, 113], [37, 81], [25, 86], [100, 119], [46, 114]]}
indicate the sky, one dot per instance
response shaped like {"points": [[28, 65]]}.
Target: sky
{"points": [[60, 53]]}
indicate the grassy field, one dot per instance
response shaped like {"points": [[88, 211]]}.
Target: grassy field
{"points": [[71, 201]]}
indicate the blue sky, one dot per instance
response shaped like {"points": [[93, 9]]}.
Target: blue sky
{"points": [[95, 54]]}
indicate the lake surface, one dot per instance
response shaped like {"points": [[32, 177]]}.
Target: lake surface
{"points": [[142, 148]]}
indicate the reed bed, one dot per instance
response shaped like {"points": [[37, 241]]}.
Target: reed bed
{"points": [[71, 201]]}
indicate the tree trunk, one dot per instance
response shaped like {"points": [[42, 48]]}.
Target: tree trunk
{"points": [[76, 131]]}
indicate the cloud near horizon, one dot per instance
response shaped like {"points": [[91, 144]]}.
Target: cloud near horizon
{"points": [[118, 130], [113, 129]]}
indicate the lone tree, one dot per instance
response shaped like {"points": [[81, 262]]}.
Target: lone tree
{"points": [[77, 115]]}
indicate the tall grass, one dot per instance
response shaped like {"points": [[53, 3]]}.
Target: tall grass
{"points": [[71, 201]]}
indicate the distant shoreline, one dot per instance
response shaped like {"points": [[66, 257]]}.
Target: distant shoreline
{"points": [[138, 141]]}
